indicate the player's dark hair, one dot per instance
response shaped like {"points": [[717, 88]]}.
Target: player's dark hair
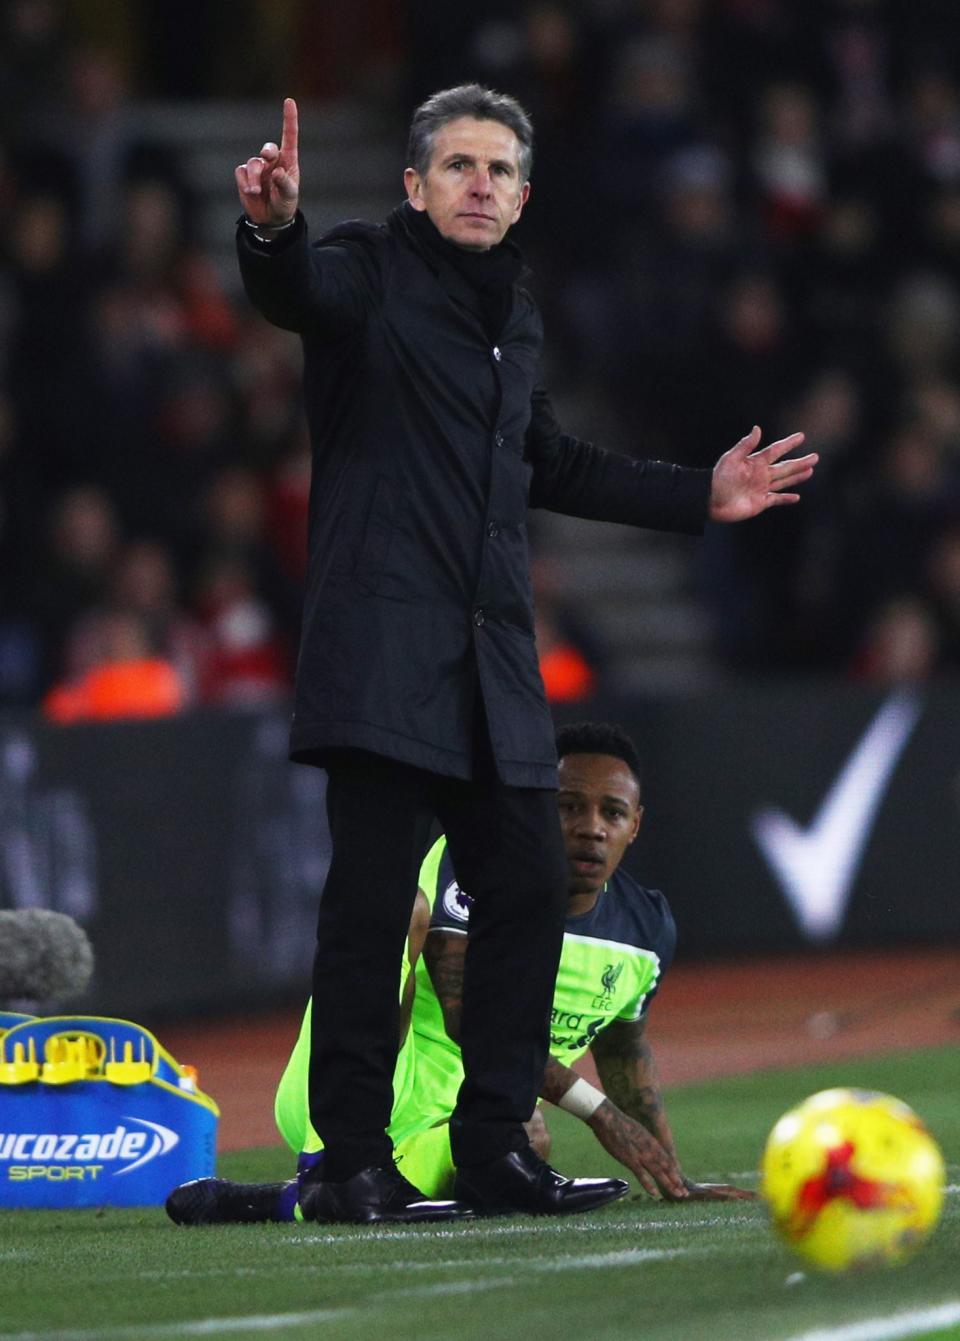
{"points": [[484, 104], [599, 738]]}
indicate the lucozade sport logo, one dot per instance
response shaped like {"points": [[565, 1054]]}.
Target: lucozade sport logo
{"points": [[29, 1152]]}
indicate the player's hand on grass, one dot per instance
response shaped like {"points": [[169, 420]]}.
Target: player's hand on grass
{"points": [[714, 1192], [654, 1168], [269, 183]]}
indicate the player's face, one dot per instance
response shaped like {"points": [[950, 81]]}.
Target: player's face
{"points": [[472, 189], [600, 814]]}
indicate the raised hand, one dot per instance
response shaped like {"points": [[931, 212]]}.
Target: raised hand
{"points": [[269, 184], [747, 482]]}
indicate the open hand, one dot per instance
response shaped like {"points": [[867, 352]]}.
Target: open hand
{"points": [[269, 184], [747, 482]]}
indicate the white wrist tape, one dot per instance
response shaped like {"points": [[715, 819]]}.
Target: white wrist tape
{"points": [[582, 1099]]}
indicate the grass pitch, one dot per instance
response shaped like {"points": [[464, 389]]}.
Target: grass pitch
{"points": [[638, 1269]]}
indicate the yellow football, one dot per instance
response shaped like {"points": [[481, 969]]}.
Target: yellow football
{"points": [[852, 1179]]}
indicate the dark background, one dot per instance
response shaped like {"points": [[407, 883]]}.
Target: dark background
{"points": [[193, 852]]}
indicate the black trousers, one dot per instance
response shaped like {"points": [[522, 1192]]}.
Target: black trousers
{"points": [[507, 851]]}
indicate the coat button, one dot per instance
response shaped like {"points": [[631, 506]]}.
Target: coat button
{"points": [[498, 439], [479, 618], [493, 530], [496, 353]]}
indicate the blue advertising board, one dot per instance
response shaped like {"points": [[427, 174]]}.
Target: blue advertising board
{"points": [[94, 1112]]}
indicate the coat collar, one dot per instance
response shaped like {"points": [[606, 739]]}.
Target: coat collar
{"points": [[469, 280]]}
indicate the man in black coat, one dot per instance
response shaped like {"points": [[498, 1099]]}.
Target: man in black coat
{"points": [[417, 687]]}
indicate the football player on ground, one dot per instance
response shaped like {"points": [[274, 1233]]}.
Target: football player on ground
{"points": [[619, 940]]}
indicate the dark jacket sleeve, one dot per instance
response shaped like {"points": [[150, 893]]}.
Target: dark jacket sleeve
{"points": [[324, 288], [581, 480]]}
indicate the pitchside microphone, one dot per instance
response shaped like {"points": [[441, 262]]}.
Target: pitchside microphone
{"points": [[43, 955]]}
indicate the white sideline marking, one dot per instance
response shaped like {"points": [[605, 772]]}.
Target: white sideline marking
{"points": [[623, 1257], [616, 1257], [259, 1323], [453, 1287], [873, 1329], [196, 1327], [888, 1329], [483, 1229], [588, 1261]]}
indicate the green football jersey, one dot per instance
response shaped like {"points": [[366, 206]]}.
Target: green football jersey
{"points": [[610, 968]]}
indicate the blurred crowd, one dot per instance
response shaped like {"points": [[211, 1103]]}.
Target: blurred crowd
{"points": [[744, 211], [154, 468]]}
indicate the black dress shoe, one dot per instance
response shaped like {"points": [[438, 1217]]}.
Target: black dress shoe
{"points": [[215, 1201], [522, 1181], [374, 1196]]}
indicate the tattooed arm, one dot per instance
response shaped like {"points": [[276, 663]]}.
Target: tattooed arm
{"points": [[638, 1137], [651, 1160], [443, 954], [634, 1103], [629, 1076]]}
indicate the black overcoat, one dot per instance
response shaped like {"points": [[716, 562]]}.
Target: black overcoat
{"points": [[429, 445]]}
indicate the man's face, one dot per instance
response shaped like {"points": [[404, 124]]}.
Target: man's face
{"points": [[472, 189], [600, 811]]}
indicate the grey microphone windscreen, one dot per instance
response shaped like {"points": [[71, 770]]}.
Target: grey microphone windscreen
{"points": [[42, 955]]}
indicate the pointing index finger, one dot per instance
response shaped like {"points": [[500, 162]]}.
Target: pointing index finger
{"points": [[289, 140]]}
